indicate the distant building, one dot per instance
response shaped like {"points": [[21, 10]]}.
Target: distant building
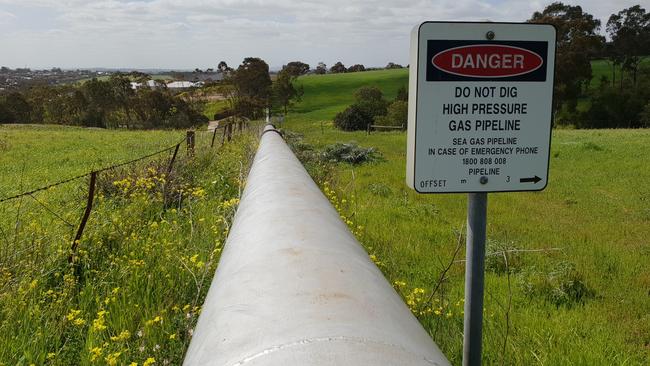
{"points": [[184, 84], [150, 84]]}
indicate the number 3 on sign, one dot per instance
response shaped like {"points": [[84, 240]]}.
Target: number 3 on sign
{"points": [[507, 178]]}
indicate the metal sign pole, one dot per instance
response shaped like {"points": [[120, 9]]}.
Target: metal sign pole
{"points": [[474, 277]]}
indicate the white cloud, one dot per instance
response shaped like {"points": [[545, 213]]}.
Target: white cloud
{"points": [[199, 33], [6, 17]]}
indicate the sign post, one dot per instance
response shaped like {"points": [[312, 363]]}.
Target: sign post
{"points": [[479, 121], [474, 277]]}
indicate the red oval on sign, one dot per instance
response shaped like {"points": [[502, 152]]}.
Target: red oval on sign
{"points": [[487, 61]]}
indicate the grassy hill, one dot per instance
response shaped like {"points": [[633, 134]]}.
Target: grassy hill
{"points": [[576, 289]]}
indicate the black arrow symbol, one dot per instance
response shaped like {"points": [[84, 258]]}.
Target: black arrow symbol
{"points": [[534, 179]]}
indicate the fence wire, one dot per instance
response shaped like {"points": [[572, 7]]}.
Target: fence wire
{"points": [[55, 184], [34, 225]]}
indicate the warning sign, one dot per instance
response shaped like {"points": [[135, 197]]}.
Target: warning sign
{"points": [[480, 107]]}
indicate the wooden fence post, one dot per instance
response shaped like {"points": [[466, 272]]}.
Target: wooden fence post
{"points": [[171, 162], [84, 218], [214, 135], [190, 142]]}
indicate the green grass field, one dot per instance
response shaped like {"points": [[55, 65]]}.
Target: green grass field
{"points": [[575, 290], [582, 299], [600, 68], [36, 155], [147, 256]]}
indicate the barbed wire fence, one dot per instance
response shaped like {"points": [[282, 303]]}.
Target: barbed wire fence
{"points": [[30, 221]]}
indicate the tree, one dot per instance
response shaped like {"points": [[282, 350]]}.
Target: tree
{"points": [[223, 67], [614, 108], [369, 103], [123, 95], [577, 41], [644, 116], [356, 68], [297, 68], [629, 30], [393, 66], [38, 97], [321, 68], [18, 108], [397, 114], [353, 118], [77, 104], [371, 100], [368, 93], [338, 68], [252, 85], [156, 108], [284, 91], [402, 94], [5, 114], [101, 102]]}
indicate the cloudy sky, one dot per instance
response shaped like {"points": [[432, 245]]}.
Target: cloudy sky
{"points": [[200, 33]]}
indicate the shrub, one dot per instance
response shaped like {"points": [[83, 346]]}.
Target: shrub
{"points": [[380, 189], [369, 104], [308, 156], [349, 153], [353, 118], [396, 115], [402, 94], [562, 286], [644, 116], [367, 93], [502, 257], [613, 108]]}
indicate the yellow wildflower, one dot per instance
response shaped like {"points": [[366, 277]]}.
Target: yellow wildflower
{"points": [[98, 323], [124, 335], [73, 314], [149, 361], [157, 319], [111, 359], [95, 353]]}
